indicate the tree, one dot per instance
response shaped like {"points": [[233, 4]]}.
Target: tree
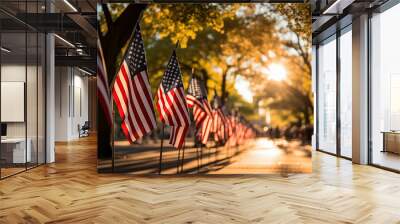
{"points": [[221, 42], [115, 38], [219, 53], [298, 17], [164, 22], [294, 95]]}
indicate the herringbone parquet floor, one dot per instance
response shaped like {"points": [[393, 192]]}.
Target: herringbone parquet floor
{"points": [[71, 191]]}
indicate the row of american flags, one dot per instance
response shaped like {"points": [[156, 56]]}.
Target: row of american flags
{"points": [[131, 93]]}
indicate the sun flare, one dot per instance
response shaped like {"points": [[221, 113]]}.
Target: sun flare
{"points": [[244, 88], [276, 72]]}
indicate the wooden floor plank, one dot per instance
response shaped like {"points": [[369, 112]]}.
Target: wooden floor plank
{"points": [[71, 191]]}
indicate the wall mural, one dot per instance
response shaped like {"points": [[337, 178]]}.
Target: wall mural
{"points": [[204, 88]]}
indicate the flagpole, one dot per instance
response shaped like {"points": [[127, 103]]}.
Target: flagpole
{"points": [[178, 161], [209, 155], [113, 139], [183, 156], [198, 158], [161, 149], [215, 154], [197, 150], [229, 140], [226, 148], [201, 154], [195, 133]]}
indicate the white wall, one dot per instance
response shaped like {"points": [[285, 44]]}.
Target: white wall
{"points": [[71, 102], [33, 126], [80, 110], [16, 73], [61, 103]]}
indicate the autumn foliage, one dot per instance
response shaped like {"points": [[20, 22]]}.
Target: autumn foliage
{"points": [[222, 42]]}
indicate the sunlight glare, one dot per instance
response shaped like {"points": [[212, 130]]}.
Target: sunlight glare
{"points": [[276, 72], [244, 89]]}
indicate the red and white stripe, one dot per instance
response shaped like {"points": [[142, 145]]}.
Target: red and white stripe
{"points": [[206, 127], [103, 90], [229, 127], [234, 131], [216, 125], [134, 102], [199, 112], [191, 100], [221, 130], [172, 108], [240, 133]]}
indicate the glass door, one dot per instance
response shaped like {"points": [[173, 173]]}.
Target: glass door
{"points": [[346, 92], [14, 145], [385, 89], [22, 78], [327, 95]]}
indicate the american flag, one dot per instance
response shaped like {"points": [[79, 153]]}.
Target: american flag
{"points": [[132, 93], [219, 125], [206, 127], [234, 130], [171, 103], [240, 133], [195, 99], [229, 126], [219, 121], [103, 90], [202, 111]]}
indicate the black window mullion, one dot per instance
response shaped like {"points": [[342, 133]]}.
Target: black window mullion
{"points": [[316, 116], [44, 74], [369, 90], [37, 90], [338, 100], [26, 86]]}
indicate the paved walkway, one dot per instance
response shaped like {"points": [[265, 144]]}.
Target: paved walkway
{"points": [[269, 156], [71, 191], [258, 156]]}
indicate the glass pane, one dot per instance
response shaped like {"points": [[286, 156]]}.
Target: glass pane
{"points": [[81, 87], [22, 67], [327, 96], [41, 98], [385, 89], [31, 97], [346, 94], [14, 146], [16, 8]]}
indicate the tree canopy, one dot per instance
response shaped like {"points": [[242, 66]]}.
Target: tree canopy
{"points": [[224, 41]]}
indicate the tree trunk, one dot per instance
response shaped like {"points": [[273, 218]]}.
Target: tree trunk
{"points": [[306, 116], [205, 77], [224, 94], [118, 34]]}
